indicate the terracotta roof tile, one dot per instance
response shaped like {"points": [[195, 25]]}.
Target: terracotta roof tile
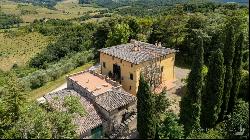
{"points": [[114, 99], [144, 52]]}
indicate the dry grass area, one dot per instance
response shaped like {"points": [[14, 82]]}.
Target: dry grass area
{"points": [[70, 1], [66, 9], [20, 48]]}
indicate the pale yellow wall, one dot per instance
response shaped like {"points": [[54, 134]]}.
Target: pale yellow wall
{"points": [[168, 70]]}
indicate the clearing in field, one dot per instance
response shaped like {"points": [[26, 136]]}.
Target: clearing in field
{"points": [[19, 49]]}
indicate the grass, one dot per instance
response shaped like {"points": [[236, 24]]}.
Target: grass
{"points": [[67, 9], [18, 48], [50, 86]]}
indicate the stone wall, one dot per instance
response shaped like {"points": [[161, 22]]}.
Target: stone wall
{"points": [[133, 124], [117, 115], [71, 84]]}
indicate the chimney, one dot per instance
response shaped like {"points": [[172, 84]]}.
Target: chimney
{"points": [[156, 44], [135, 45], [159, 45], [132, 41]]}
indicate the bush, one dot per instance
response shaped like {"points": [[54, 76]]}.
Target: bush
{"points": [[239, 121], [73, 104], [210, 134], [244, 86], [54, 71], [170, 128]]}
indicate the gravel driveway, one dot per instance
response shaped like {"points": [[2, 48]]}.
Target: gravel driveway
{"points": [[174, 95]]}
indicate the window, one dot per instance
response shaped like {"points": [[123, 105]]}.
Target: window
{"points": [[130, 87], [131, 65], [97, 133], [120, 108], [104, 64], [131, 76], [161, 68]]}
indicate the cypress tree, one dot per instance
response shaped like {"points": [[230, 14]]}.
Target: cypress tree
{"points": [[212, 99], [146, 118], [237, 61], [228, 60], [190, 105]]}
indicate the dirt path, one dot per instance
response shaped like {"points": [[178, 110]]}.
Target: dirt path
{"points": [[63, 86]]}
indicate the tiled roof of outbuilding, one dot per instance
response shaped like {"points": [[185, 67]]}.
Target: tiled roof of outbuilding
{"points": [[114, 99]]}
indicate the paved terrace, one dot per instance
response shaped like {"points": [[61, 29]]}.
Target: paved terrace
{"points": [[93, 82]]}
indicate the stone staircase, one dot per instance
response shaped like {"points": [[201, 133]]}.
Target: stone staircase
{"points": [[118, 132]]}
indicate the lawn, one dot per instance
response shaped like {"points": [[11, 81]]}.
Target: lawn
{"points": [[50, 86], [17, 47]]}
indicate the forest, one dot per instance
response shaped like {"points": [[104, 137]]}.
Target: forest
{"points": [[206, 35]]}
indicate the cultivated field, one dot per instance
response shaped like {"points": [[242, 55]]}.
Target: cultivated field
{"points": [[17, 47], [20, 48], [63, 10]]}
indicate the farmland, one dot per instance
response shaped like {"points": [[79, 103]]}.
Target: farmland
{"points": [[18, 49], [63, 10]]}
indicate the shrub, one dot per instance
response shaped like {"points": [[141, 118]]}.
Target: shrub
{"points": [[54, 71], [73, 104], [239, 121]]}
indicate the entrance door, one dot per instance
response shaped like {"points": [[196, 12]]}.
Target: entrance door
{"points": [[96, 133], [117, 72]]}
